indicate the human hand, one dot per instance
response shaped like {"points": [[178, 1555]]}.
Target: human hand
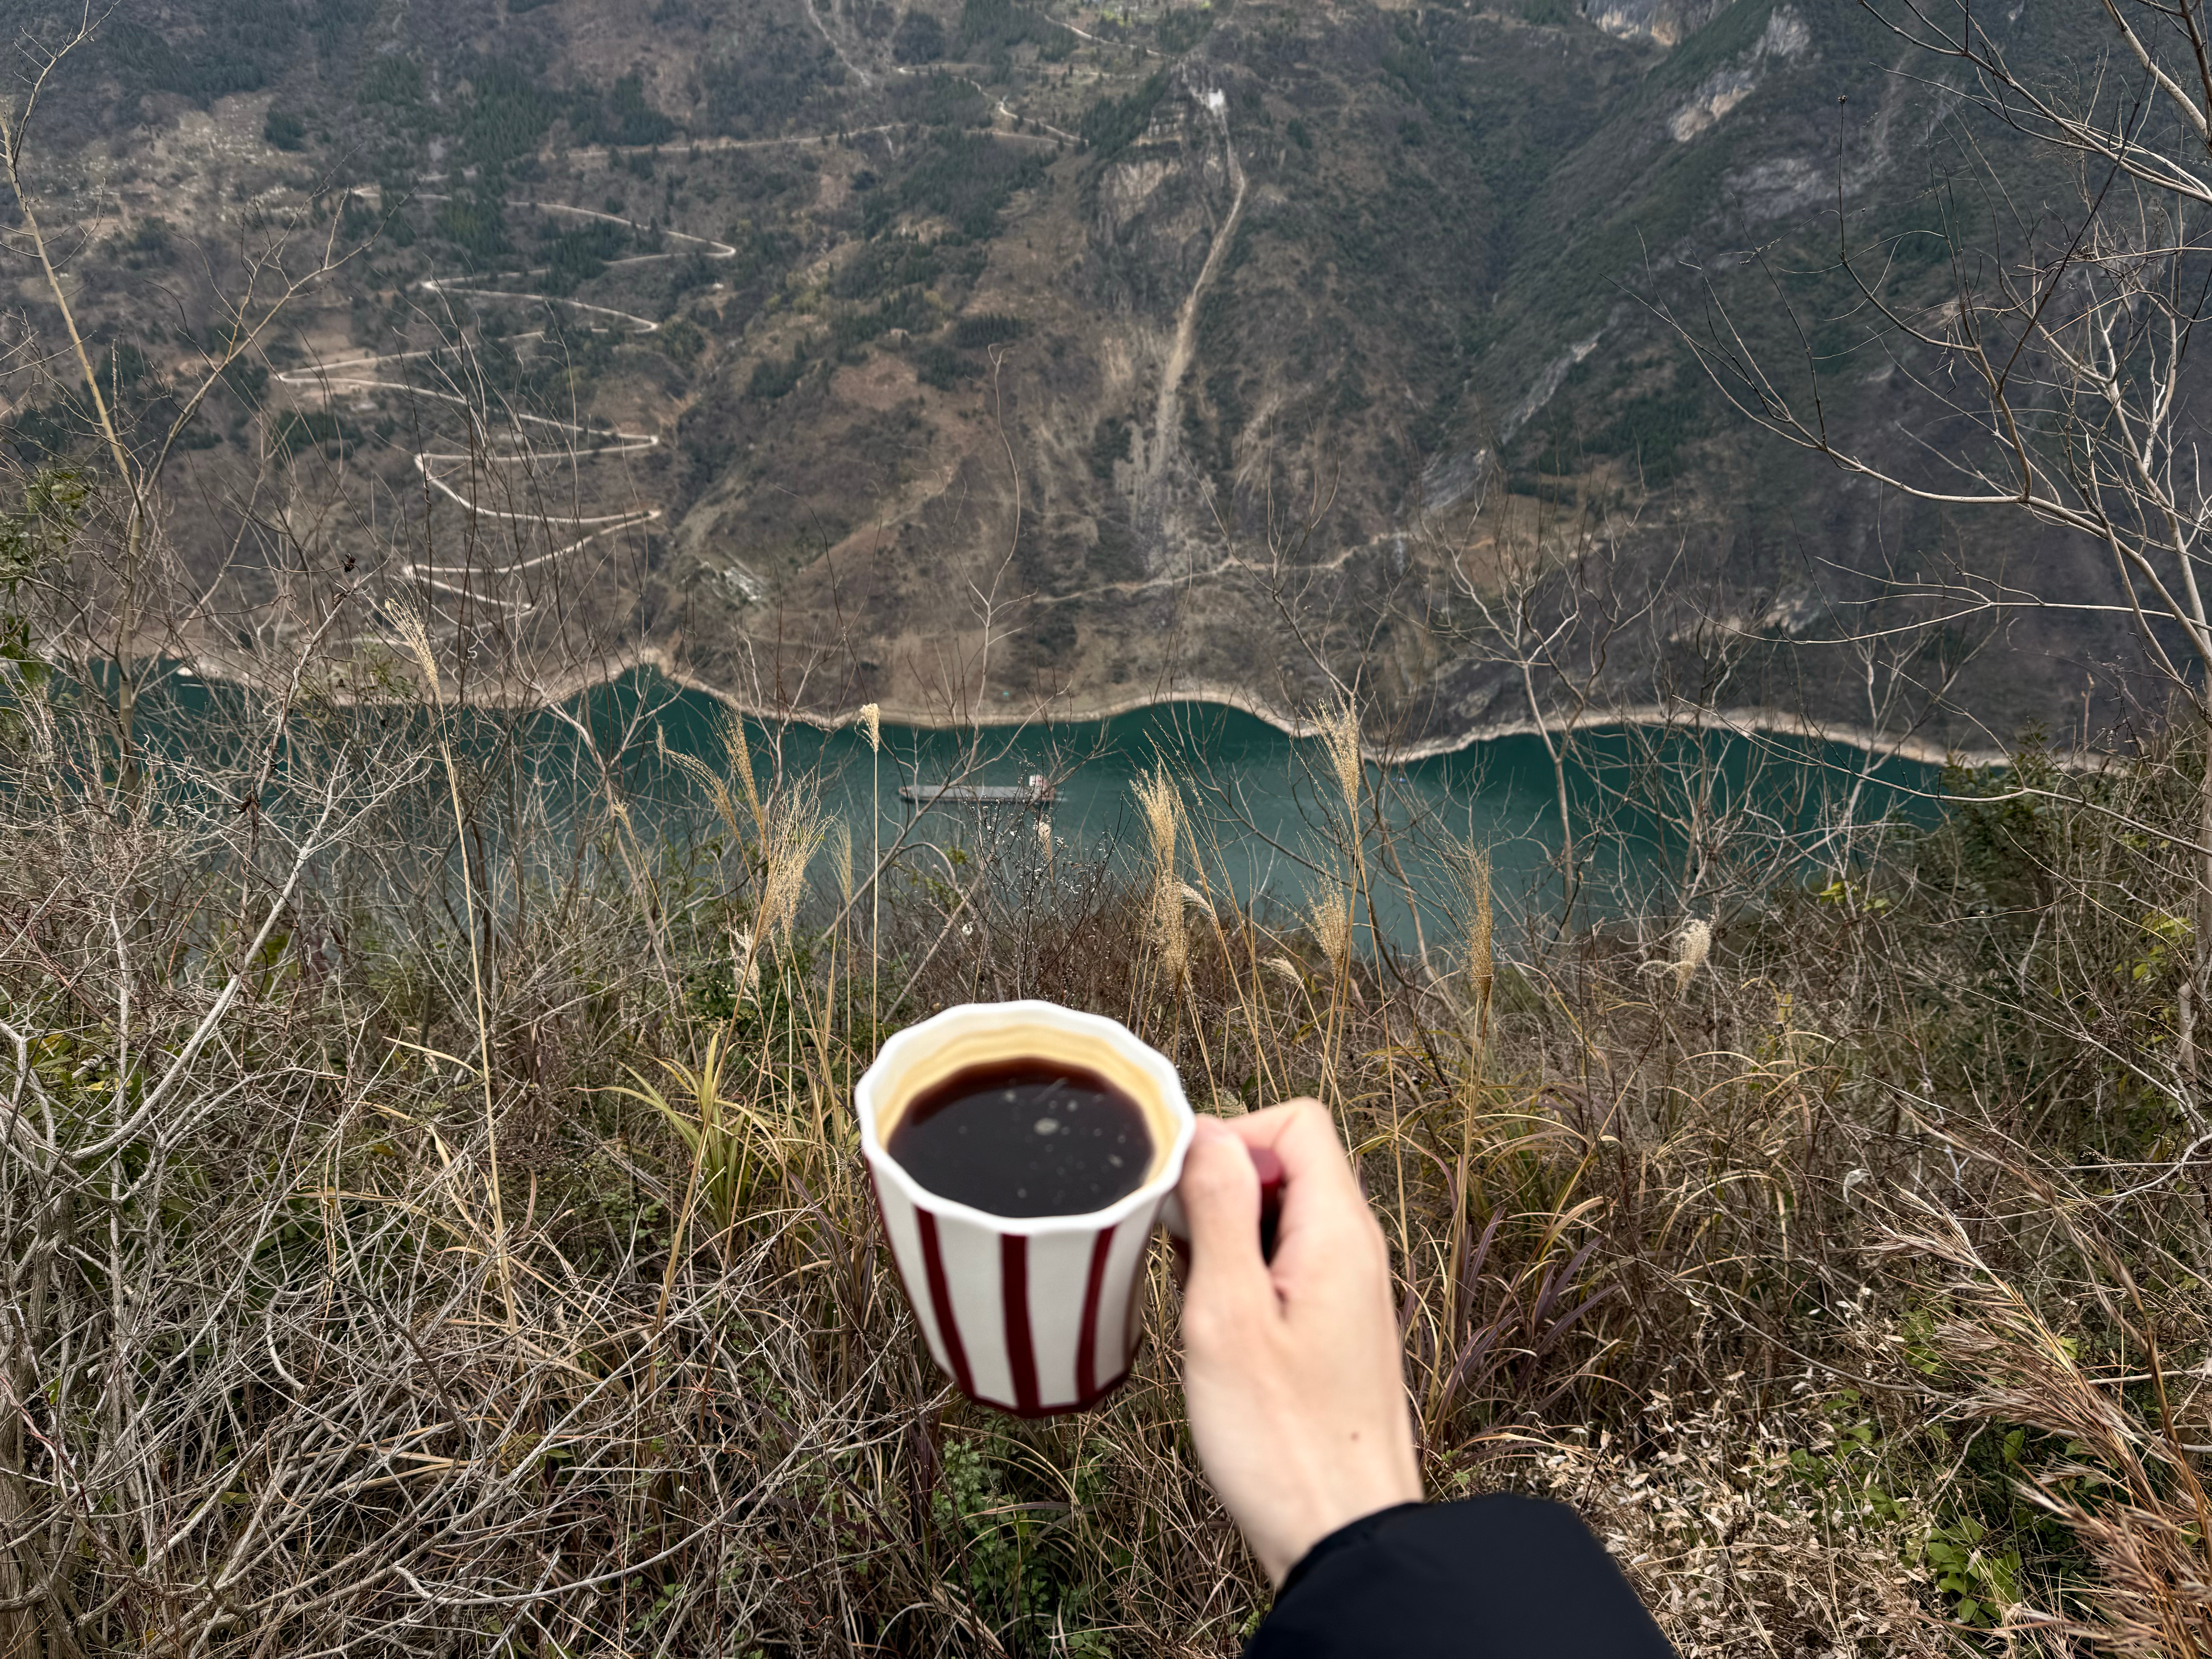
{"points": [[1292, 1372]]}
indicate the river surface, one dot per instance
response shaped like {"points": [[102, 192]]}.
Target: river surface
{"points": [[1664, 823]]}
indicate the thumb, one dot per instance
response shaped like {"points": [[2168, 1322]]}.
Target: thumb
{"points": [[1220, 1194]]}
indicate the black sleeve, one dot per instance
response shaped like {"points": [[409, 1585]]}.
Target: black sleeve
{"points": [[1497, 1578]]}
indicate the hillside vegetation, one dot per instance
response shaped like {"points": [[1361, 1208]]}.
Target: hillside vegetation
{"points": [[429, 1203], [1211, 346], [433, 1219]]}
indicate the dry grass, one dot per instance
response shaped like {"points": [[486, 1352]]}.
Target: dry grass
{"points": [[1744, 1241], [1748, 1530]]}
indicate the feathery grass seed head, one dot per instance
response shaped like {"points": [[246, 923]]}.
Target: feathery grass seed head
{"points": [[717, 791], [746, 962], [417, 635], [1340, 737], [1161, 803], [1174, 944], [740, 755], [841, 858], [1329, 914], [1162, 806], [871, 722], [795, 833], [1481, 963], [1691, 946]]}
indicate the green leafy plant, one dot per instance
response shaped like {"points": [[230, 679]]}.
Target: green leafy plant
{"points": [[1011, 1556], [1983, 1580]]}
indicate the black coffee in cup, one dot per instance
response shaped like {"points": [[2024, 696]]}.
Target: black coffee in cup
{"points": [[1024, 1136]]}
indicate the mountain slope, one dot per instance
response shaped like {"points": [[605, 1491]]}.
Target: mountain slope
{"points": [[985, 358]]}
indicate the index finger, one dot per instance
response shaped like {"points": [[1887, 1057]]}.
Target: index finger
{"points": [[1316, 1173]]}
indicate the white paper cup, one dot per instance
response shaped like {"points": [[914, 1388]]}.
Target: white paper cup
{"points": [[1034, 1314]]}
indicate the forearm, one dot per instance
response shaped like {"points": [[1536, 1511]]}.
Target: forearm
{"points": [[1501, 1578]]}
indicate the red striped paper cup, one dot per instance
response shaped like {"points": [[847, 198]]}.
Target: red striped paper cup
{"points": [[1034, 1314]]}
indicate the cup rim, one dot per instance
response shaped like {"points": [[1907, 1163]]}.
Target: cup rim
{"points": [[1037, 1011]]}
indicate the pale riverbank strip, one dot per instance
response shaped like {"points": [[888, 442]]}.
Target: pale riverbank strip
{"points": [[1681, 717]]}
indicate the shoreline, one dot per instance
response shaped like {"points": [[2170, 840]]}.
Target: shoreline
{"points": [[1745, 723]]}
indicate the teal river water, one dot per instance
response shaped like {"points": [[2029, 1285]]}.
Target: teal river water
{"points": [[1663, 821]]}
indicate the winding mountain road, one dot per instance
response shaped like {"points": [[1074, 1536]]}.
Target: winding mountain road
{"points": [[374, 372], [370, 374]]}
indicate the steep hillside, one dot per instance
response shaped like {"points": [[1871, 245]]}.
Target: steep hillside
{"points": [[979, 357]]}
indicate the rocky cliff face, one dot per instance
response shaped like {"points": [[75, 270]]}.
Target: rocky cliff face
{"points": [[997, 358], [1660, 22]]}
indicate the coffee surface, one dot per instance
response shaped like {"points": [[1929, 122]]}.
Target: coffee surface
{"points": [[1025, 1138]]}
